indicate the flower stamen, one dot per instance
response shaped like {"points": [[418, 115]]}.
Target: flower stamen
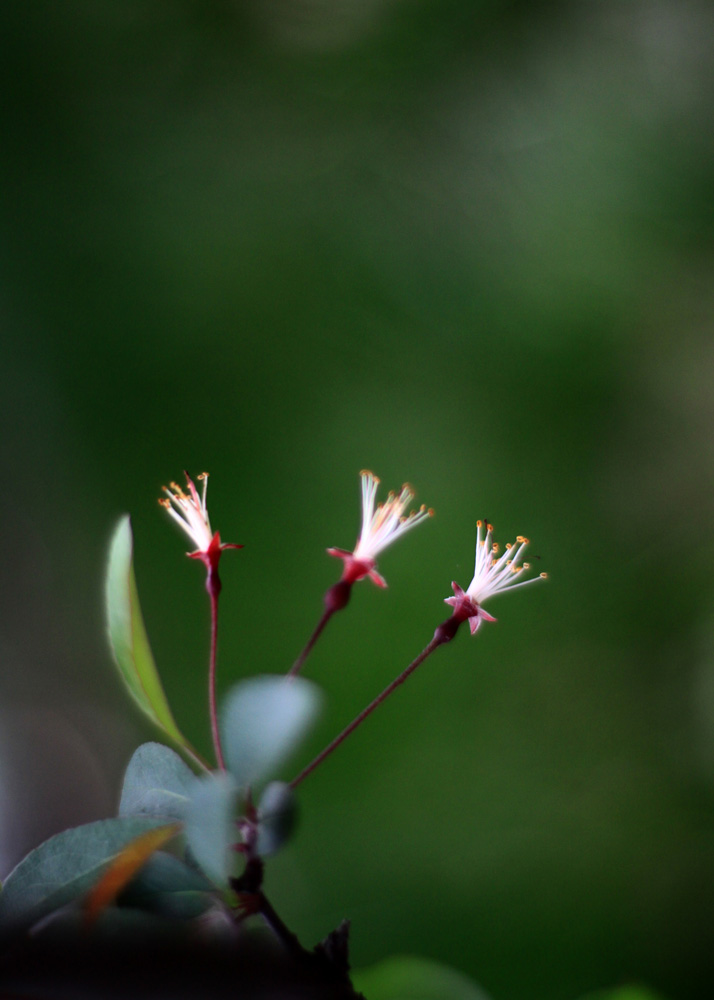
{"points": [[493, 574], [190, 512], [380, 527]]}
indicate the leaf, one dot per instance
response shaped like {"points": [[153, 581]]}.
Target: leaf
{"points": [[156, 783], [211, 829], [166, 885], [127, 635], [277, 817], [124, 867], [64, 867], [264, 719], [181, 905], [165, 873], [623, 993], [409, 978]]}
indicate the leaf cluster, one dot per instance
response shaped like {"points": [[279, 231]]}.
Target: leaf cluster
{"points": [[214, 821]]}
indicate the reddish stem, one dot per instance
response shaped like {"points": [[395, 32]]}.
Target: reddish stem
{"points": [[445, 632], [297, 665], [213, 586], [336, 598]]}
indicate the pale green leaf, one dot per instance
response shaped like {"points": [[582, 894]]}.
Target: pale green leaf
{"points": [[127, 634], [263, 721], [156, 783], [211, 829], [167, 885], [277, 817], [165, 873], [124, 867], [65, 867]]}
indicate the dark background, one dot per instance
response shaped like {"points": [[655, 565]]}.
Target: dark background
{"points": [[467, 244]]}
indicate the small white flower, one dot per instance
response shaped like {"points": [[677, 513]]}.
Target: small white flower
{"points": [[380, 527], [189, 511], [494, 573]]}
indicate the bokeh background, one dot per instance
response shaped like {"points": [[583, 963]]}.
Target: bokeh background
{"points": [[466, 243]]}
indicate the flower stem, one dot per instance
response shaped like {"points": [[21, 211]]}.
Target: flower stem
{"points": [[278, 926], [336, 598], [297, 665], [213, 586], [444, 633]]}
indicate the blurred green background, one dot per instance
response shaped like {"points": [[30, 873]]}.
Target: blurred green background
{"points": [[467, 244]]}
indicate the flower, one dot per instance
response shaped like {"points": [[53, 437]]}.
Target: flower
{"points": [[189, 511], [380, 528], [493, 574]]}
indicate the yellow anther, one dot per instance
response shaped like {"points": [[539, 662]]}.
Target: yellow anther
{"points": [[526, 565], [495, 547], [430, 512], [479, 524], [202, 475], [490, 527], [521, 539], [165, 502], [544, 576]]}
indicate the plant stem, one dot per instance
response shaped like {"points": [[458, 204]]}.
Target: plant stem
{"points": [[441, 636], [327, 963], [213, 586], [279, 927], [297, 665], [336, 598]]}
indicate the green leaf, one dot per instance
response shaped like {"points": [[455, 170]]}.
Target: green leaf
{"points": [[211, 829], [263, 720], [156, 783], [181, 905], [166, 873], [124, 867], [624, 993], [65, 867], [128, 638], [408, 978], [168, 886], [277, 817]]}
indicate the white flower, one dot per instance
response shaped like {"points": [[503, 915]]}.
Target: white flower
{"points": [[380, 527], [189, 511], [494, 573]]}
